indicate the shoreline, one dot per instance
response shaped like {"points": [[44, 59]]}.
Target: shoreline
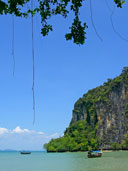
{"points": [[85, 151]]}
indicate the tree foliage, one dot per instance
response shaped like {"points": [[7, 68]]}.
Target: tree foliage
{"points": [[49, 8], [78, 137], [119, 3]]}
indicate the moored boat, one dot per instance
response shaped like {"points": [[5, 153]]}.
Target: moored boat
{"points": [[25, 152], [93, 154]]}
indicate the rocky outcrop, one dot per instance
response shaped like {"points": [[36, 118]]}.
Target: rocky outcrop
{"points": [[99, 120], [107, 108]]}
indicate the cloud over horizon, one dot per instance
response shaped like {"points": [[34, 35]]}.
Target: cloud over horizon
{"points": [[23, 139]]}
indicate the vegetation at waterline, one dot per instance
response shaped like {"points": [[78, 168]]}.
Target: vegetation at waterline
{"points": [[81, 137], [78, 137], [82, 133]]}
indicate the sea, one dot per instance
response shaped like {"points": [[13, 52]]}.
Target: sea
{"points": [[75, 161]]}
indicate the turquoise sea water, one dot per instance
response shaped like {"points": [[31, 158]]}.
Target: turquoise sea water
{"points": [[41, 161]]}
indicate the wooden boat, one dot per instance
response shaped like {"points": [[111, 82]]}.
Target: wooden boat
{"points": [[25, 152], [93, 154]]}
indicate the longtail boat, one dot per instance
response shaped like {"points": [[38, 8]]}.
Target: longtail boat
{"points": [[25, 152], [93, 154]]}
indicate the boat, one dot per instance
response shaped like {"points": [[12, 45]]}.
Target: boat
{"points": [[25, 152], [93, 154]]}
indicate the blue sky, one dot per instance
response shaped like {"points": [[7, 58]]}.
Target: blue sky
{"points": [[63, 70]]}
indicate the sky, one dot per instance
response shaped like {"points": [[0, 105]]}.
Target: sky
{"points": [[63, 72]]}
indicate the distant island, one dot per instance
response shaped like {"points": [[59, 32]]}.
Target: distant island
{"points": [[99, 121], [8, 150]]}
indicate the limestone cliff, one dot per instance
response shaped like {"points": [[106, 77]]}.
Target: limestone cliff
{"points": [[100, 119], [106, 106]]}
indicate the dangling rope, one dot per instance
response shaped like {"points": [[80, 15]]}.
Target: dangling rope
{"points": [[33, 66], [13, 36]]}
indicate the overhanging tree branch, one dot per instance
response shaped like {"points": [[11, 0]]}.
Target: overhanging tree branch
{"points": [[49, 8]]}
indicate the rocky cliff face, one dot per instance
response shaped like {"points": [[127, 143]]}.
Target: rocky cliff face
{"points": [[107, 108], [100, 119]]}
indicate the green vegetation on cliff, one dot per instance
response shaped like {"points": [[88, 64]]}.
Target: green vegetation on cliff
{"points": [[78, 137], [99, 119]]}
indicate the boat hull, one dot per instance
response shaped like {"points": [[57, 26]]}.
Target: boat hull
{"points": [[94, 155], [25, 152]]}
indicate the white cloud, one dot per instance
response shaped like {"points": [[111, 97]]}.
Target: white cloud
{"points": [[3, 130], [23, 139], [19, 130]]}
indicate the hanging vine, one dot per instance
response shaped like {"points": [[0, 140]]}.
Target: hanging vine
{"points": [[47, 9], [33, 65], [93, 23], [13, 52]]}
